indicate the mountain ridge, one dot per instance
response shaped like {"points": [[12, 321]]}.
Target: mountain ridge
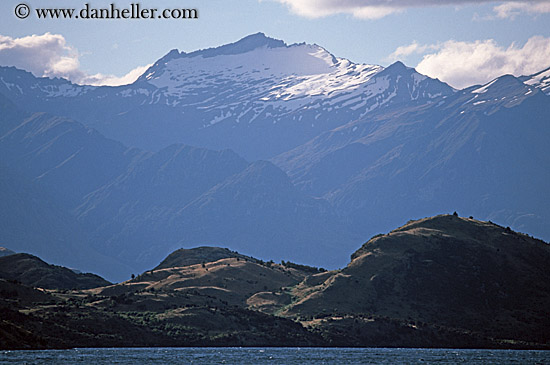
{"points": [[227, 101], [442, 281], [351, 150], [32, 271], [136, 206]]}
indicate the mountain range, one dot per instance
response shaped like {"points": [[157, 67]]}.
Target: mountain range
{"points": [[442, 281], [279, 151]]}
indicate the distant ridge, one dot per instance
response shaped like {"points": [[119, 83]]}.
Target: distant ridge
{"points": [[32, 271]]}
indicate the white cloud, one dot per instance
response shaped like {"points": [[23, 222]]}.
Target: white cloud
{"points": [[43, 55], [49, 55], [463, 64], [321, 8], [414, 48], [373, 12], [374, 9], [514, 8], [110, 80]]}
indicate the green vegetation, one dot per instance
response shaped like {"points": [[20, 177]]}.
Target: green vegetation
{"points": [[443, 281], [305, 268]]}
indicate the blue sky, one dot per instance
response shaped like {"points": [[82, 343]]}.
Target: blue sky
{"points": [[461, 42]]}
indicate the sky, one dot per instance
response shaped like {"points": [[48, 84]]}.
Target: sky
{"points": [[461, 42]]}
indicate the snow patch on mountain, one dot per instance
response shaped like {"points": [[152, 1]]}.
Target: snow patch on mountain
{"points": [[242, 83], [264, 70], [64, 90], [505, 90], [259, 77], [45, 87], [11, 86], [484, 88], [129, 92], [540, 80]]}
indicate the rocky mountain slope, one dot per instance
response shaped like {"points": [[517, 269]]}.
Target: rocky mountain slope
{"points": [[31, 220], [136, 206], [257, 96], [480, 151], [353, 150]]}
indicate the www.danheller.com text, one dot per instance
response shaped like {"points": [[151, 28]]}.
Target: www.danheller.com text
{"points": [[132, 11]]}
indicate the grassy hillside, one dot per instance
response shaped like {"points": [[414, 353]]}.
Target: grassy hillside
{"points": [[457, 273], [443, 281]]}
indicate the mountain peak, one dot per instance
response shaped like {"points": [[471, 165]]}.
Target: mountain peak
{"points": [[399, 68], [259, 40], [502, 85], [397, 65], [174, 53], [244, 45]]}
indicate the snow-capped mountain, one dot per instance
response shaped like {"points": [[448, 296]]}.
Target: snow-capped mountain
{"points": [[273, 75], [353, 150], [481, 150], [257, 96]]}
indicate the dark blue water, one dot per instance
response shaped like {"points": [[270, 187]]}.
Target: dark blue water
{"points": [[273, 355]]}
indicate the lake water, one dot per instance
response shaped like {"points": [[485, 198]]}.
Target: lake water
{"points": [[247, 355]]}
